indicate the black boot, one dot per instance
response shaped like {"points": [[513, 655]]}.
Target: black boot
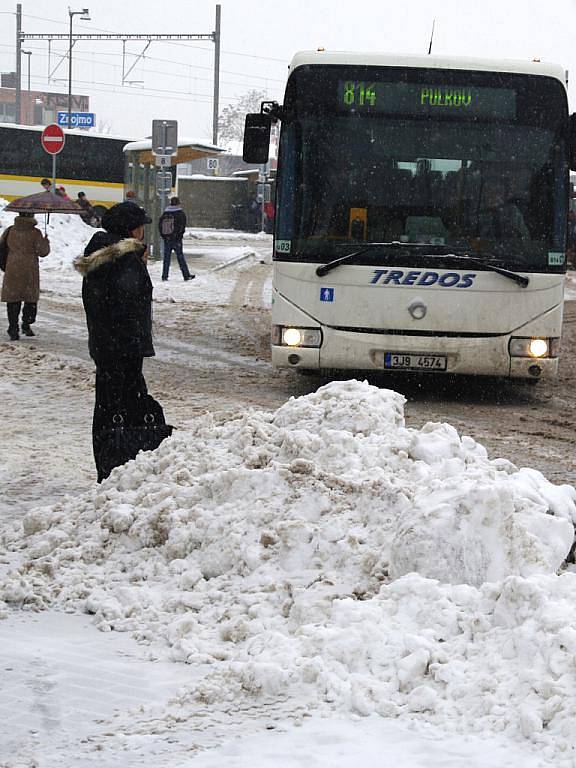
{"points": [[28, 317], [13, 308]]}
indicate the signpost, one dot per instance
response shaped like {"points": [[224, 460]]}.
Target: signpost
{"points": [[163, 161], [164, 146], [163, 182], [164, 137], [77, 119], [53, 140]]}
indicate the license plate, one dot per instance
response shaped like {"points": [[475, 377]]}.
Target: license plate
{"points": [[415, 362]]}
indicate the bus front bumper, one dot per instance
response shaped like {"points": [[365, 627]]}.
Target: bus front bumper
{"points": [[346, 350]]}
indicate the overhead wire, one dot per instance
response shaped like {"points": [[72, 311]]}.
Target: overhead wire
{"points": [[158, 93], [157, 71], [177, 75], [166, 42]]}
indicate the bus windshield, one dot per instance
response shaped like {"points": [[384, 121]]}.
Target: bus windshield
{"points": [[372, 157]]}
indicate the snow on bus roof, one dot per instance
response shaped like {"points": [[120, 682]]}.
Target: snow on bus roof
{"points": [[199, 144], [72, 131], [132, 145], [534, 67]]}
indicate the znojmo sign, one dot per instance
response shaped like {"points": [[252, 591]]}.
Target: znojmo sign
{"points": [[77, 119]]}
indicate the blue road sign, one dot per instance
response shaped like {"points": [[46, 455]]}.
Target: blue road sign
{"points": [[326, 294], [77, 119]]}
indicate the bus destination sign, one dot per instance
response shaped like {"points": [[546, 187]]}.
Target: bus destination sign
{"points": [[363, 96]]}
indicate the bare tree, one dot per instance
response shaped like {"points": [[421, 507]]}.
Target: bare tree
{"points": [[104, 126], [231, 120]]}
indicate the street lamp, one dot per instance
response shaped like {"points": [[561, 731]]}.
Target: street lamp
{"points": [[85, 16], [28, 53]]}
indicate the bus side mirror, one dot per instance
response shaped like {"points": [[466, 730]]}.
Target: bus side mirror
{"points": [[257, 138], [573, 142]]}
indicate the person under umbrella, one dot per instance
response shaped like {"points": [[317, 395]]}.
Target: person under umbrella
{"points": [[26, 245], [43, 202], [21, 284]]}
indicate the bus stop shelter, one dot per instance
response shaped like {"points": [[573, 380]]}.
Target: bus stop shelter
{"points": [[140, 175]]}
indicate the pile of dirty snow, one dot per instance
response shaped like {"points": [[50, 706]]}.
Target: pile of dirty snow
{"points": [[67, 232], [207, 233], [325, 553]]}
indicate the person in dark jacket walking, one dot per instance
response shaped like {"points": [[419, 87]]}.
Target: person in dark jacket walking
{"points": [[117, 297], [172, 225]]}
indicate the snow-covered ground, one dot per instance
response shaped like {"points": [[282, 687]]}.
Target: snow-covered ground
{"points": [[314, 585]]}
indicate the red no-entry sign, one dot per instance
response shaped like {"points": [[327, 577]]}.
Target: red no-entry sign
{"points": [[53, 139]]}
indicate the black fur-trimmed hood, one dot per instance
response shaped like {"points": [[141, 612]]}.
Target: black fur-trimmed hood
{"points": [[106, 252]]}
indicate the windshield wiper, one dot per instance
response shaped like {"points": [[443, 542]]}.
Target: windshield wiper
{"points": [[488, 263], [325, 268]]}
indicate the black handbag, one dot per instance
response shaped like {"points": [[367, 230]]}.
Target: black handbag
{"points": [[4, 250], [122, 441]]}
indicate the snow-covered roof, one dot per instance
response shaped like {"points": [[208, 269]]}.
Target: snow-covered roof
{"points": [[534, 67], [204, 177], [200, 145], [246, 172]]}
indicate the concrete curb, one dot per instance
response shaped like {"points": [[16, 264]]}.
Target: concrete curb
{"points": [[234, 261]]}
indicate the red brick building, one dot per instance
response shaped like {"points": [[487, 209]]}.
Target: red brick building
{"points": [[38, 107]]}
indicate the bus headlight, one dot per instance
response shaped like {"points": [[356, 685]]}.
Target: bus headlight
{"points": [[533, 347], [289, 336]]}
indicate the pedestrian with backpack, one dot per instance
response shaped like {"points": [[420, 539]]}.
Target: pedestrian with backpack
{"points": [[172, 225]]}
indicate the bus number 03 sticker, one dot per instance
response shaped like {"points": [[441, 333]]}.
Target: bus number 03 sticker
{"points": [[283, 246]]}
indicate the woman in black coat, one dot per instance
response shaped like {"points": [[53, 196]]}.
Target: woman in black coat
{"points": [[117, 297]]}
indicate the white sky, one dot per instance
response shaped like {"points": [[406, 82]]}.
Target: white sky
{"points": [[258, 41]]}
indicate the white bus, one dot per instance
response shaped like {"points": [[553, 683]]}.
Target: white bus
{"points": [[421, 214]]}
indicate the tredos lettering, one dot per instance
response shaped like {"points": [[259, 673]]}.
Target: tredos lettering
{"points": [[400, 277]]}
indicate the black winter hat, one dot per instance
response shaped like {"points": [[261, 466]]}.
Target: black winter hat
{"points": [[121, 219]]}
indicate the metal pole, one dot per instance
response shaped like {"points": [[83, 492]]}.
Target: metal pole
{"points": [[156, 213], [159, 200], [29, 54], [163, 202], [216, 77], [18, 98], [70, 72], [264, 180], [54, 174]]}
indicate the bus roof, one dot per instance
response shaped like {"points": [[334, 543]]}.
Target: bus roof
{"points": [[534, 67], [71, 131], [200, 146]]}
